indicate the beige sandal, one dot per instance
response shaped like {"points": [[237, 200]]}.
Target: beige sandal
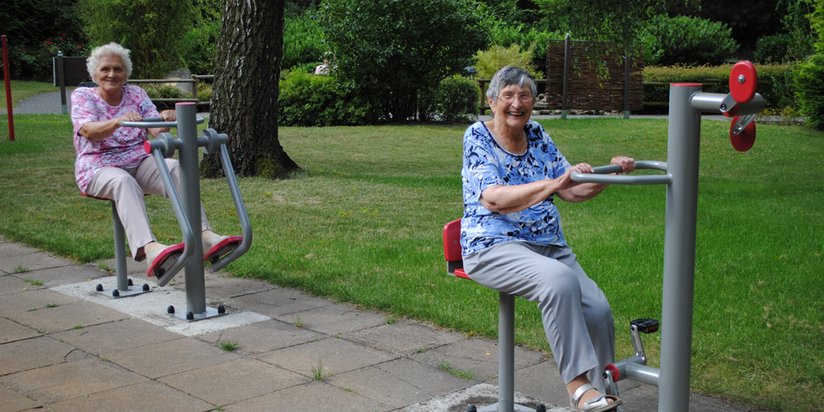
{"points": [[597, 404]]}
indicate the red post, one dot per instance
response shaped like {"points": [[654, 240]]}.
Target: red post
{"points": [[7, 78]]}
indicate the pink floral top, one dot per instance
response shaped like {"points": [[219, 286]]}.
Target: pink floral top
{"points": [[122, 149]]}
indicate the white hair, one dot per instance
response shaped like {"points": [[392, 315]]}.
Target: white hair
{"points": [[111, 49]]}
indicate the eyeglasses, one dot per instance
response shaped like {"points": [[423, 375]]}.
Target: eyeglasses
{"points": [[523, 97]]}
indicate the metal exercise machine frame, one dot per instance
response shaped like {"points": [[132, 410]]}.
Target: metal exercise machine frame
{"points": [[687, 102], [187, 207]]}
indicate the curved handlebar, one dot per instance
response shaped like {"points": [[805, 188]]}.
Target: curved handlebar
{"points": [[600, 174], [150, 122]]}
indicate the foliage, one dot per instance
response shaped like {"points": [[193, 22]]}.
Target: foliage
{"points": [[310, 100], [809, 87], [493, 59], [165, 91], [816, 18], [773, 48], [393, 50], [303, 41], [35, 30], [457, 99], [686, 40], [197, 47], [152, 30]]}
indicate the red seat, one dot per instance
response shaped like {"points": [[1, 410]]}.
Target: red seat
{"points": [[452, 249]]}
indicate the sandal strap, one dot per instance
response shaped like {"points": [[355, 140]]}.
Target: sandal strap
{"points": [[576, 396]]}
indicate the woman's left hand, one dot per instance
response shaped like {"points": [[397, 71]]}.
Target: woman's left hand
{"points": [[627, 163], [168, 115]]}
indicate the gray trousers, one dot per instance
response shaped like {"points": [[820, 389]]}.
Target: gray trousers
{"points": [[576, 315], [127, 188]]}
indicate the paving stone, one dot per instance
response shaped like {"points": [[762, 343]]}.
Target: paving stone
{"points": [[399, 382], [146, 396], [403, 337], [115, 336], [31, 261], [167, 358], [310, 397], [32, 353], [223, 286], [64, 275], [335, 319], [33, 300], [279, 301], [70, 379], [14, 401], [15, 249], [69, 316], [12, 331], [541, 381], [476, 356], [263, 336], [10, 284], [234, 381], [333, 355]]}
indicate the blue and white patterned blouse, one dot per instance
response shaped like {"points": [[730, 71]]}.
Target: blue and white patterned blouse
{"points": [[486, 164]]}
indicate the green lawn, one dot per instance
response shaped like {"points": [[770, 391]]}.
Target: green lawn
{"points": [[363, 224]]}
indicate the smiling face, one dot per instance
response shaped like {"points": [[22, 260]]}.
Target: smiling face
{"points": [[512, 107], [110, 74]]}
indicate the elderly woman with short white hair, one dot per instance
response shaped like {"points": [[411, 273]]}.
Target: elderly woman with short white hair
{"points": [[111, 162]]}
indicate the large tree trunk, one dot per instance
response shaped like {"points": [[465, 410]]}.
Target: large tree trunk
{"points": [[245, 93]]}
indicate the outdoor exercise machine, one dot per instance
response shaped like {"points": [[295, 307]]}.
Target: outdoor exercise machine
{"points": [[187, 206], [686, 105]]}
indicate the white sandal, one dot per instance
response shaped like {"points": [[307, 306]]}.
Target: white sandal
{"points": [[597, 404]]}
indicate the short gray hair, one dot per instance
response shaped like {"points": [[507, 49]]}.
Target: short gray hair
{"points": [[111, 49], [508, 76]]}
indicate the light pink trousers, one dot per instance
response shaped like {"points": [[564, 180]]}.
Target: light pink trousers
{"points": [[127, 188]]}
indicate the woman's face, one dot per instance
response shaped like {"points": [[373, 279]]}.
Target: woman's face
{"points": [[513, 106], [110, 74]]}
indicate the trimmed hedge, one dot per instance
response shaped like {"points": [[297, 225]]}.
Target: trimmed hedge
{"points": [[809, 83]]}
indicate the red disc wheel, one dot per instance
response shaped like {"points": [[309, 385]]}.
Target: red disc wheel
{"points": [[743, 81], [743, 140]]}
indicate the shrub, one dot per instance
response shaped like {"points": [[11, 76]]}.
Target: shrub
{"points": [[165, 91], [809, 87], [198, 48], [493, 59], [686, 40], [310, 100], [457, 99], [303, 40], [773, 48]]}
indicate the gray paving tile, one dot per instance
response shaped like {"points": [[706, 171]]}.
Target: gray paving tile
{"points": [[223, 286], [263, 336], [70, 379], [11, 331], [32, 300], [15, 249], [167, 358], [14, 401], [476, 356], [310, 397], [64, 275], [279, 301], [31, 261], [399, 383], [146, 396], [541, 381], [403, 337], [335, 319], [68, 316], [234, 381], [10, 284], [115, 336], [32, 353], [332, 355]]}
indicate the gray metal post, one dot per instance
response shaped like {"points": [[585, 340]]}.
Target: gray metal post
{"points": [[506, 352], [190, 187], [564, 87], [119, 251], [684, 134], [61, 78]]}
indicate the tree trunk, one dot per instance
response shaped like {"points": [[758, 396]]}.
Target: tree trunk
{"points": [[245, 93]]}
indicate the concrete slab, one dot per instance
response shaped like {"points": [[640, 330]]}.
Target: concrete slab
{"points": [[171, 357], [149, 396], [63, 275], [222, 286], [310, 397], [15, 249], [249, 378], [263, 336], [479, 395], [70, 379], [331, 355], [476, 356], [279, 301], [115, 336], [32, 353], [335, 319], [33, 300], [14, 401], [403, 337], [541, 381], [74, 315], [30, 262], [399, 382], [12, 284], [644, 398], [12, 331]]}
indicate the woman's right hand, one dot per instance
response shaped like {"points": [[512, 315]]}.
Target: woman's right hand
{"points": [[130, 117]]}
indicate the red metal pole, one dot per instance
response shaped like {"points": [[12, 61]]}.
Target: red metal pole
{"points": [[7, 77]]}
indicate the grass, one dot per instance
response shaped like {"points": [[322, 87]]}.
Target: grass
{"points": [[363, 224], [22, 89], [229, 346]]}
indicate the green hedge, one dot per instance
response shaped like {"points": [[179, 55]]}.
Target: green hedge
{"points": [[312, 100]]}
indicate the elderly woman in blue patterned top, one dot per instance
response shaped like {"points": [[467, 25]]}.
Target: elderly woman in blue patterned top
{"points": [[512, 240]]}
